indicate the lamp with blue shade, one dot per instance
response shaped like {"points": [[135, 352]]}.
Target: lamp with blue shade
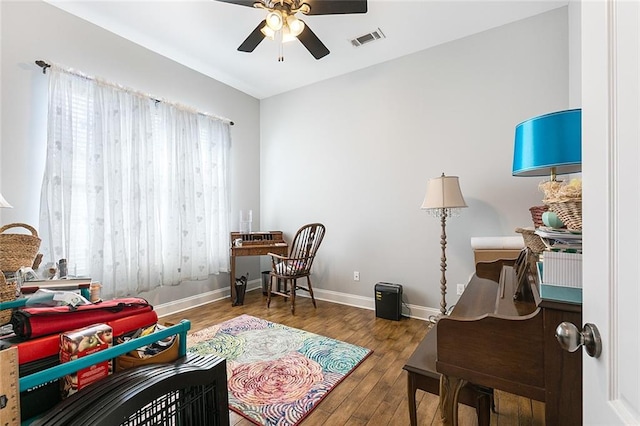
{"points": [[549, 144]]}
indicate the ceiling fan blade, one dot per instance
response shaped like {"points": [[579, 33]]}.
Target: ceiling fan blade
{"points": [[253, 40], [336, 7], [313, 43], [248, 3]]}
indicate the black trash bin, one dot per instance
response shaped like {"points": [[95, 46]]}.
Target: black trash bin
{"points": [[265, 282], [241, 288]]}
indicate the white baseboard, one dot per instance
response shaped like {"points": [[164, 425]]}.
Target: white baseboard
{"points": [[176, 306], [180, 305], [408, 310], [186, 303]]}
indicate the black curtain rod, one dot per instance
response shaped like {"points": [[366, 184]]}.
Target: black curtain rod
{"points": [[42, 64]]}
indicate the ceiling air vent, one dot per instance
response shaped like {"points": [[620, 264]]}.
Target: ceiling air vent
{"points": [[368, 38]]}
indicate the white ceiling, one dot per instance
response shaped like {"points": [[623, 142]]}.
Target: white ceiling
{"points": [[205, 34]]}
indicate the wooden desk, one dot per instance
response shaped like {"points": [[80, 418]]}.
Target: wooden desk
{"points": [[421, 369], [253, 244]]}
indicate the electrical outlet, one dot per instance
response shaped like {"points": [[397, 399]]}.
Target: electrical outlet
{"points": [[356, 276], [460, 289]]}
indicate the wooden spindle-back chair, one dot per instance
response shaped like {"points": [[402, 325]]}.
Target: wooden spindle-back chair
{"points": [[285, 270]]}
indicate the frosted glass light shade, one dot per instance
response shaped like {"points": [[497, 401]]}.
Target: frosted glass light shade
{"points": [[443, 193], [268, 32], [295, 25], [274, 20]]}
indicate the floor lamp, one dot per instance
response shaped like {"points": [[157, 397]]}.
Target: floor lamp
{"points": [[4, 203], [443, 199]]}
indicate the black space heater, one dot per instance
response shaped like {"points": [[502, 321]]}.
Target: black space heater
{"points": [[388, 301]]}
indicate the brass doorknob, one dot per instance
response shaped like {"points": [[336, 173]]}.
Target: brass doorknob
{"points": [[570, 338]]}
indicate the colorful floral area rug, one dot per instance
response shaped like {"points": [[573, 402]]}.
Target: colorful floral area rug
{"points": [[276, 374]]}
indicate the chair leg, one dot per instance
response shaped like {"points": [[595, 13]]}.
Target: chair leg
{"points": [[269, 291], [293, 296], [313, 299]]}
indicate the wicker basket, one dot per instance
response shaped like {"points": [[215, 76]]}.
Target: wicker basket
{"points": [[531, 240], [7, 294], [18, 250], [569, 212], [536, 215]]}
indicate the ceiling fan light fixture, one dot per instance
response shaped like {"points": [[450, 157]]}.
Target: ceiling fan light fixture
{"points": [[296, 26], [304, 8], [279, 22], [287, 36], [268, 32], [274, 20]]}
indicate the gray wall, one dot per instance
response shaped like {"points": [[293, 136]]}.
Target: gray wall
{"points": [[37, 30], [355, 152]]}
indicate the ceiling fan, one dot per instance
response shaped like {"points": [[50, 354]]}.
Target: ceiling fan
{"points": [[281, 21]]}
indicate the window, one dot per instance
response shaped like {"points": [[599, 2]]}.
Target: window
{"points": [[135, 190]]}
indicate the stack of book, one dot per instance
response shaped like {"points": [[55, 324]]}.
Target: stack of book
{"points": [[68, 284], [560, 239]]}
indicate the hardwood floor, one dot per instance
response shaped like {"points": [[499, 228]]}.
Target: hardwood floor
{"points": [[376, 392]]}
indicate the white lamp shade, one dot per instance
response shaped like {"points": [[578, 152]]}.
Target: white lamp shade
{"points": [[443, 193], [4, 203]]}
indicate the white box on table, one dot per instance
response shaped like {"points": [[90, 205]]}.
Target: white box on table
{"points": [[562, 269]]}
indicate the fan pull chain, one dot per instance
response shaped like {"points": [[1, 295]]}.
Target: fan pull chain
{"points": [[280, 47]]}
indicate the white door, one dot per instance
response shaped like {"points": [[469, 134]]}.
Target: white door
{"points": [[611, 213]]}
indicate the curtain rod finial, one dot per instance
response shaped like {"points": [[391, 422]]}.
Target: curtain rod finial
{"points": [[43, 64]]}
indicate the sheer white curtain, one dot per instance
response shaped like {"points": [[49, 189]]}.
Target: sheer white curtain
{"points": [[135, 191]]}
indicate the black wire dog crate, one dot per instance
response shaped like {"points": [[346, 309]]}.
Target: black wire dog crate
{"points": [[191, 392]]}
